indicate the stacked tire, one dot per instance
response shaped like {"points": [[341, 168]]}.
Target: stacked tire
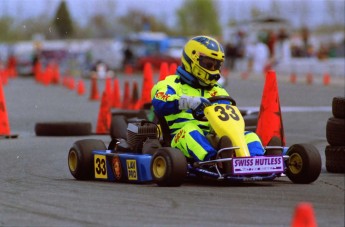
{"points": [[335, 134]]}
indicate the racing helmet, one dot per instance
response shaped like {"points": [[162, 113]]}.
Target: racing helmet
{"points": [[202, 57]]}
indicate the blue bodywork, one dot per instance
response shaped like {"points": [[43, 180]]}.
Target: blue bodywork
{"points": [[134, 167]]}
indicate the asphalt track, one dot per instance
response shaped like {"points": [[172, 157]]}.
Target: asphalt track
{"points": [[38, 190]]}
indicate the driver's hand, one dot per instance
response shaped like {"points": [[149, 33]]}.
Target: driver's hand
{"points": [[190, 102]]}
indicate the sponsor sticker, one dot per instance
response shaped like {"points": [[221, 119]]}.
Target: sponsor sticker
{"points": [[100, 166], [117, 169], [132, 169], [259, 164]]}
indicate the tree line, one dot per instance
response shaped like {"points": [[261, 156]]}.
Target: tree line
{"points": [[193, 17]]}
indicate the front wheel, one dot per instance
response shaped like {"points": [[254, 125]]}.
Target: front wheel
{"points": [[168, 167], [304, 163], [225, 142]]}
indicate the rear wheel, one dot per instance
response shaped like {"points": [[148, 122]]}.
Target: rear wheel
{"points": [[118, 127], [275, 141], [80, 161], [168, 167], [304, 163]]}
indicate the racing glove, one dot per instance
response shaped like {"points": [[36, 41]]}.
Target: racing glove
{"points": [[189, 102]]}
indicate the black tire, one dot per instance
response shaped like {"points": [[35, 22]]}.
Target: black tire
{"points": [[141, 114], [150, 146], [118, 127], [275, 141], [168, 167], [63, 128], [250, 122], [224, 142], [338, 107], [80, 161], [335, 131], [335, 159], [304, 163]]}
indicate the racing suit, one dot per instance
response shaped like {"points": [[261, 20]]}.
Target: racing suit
{"points": [[187, 133]]}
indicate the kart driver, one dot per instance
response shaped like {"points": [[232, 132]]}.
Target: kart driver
{"points": [[176, 96]]}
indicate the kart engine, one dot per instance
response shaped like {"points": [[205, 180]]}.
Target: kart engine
{"points": [[138, 132]]}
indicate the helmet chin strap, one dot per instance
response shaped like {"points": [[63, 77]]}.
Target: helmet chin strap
{"points": [[191, 80]]}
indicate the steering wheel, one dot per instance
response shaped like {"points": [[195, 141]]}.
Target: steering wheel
{"points": [[222, 97], [198, 113]]}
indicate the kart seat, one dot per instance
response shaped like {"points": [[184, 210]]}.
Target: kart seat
{"points": [[165, 130]]}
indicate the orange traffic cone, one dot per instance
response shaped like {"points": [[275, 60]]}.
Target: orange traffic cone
{"points": [[37, 68], [304, 216], [147, 84], [47, 75], [270, 123], [12, 73], [81, 87], [126, 97], [225, 72], [55, 74], [64, 81], [172, 69], [135, 102], [3, 76], [94, 89], [71, 83], [326, 79], [309, 78], [116, 98], [293, 78], [128, 69], [244, 75], [163, 71], [107, 87], [104, 116], [4, 123]]}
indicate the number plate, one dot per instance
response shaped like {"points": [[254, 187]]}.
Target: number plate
{"points": [[100, 167], [259, 164], [132, 169]]}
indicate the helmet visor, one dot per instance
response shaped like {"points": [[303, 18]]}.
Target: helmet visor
{"points": [[210, 64]]}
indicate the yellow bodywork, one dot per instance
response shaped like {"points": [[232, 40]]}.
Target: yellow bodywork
{"points": [[226, 120]]}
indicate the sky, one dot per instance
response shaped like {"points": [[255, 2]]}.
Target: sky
{"points": [[165, 9], [80, 9]]}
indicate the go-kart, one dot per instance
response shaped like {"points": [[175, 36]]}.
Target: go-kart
{"points": [[144, 155]]}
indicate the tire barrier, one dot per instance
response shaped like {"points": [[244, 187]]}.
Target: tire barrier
{"points": [[335, 134], [335, 131], [335, 159], [63, 128], [338, 107]]}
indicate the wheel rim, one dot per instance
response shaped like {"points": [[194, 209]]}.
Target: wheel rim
{"points": [[159, 167], [72, 160], [295, 163]]}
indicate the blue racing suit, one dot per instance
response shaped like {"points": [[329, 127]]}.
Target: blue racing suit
{"points": [[189, 134]]}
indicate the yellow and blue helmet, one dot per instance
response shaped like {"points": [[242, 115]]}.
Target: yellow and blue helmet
{"points": [[202, 57]]}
